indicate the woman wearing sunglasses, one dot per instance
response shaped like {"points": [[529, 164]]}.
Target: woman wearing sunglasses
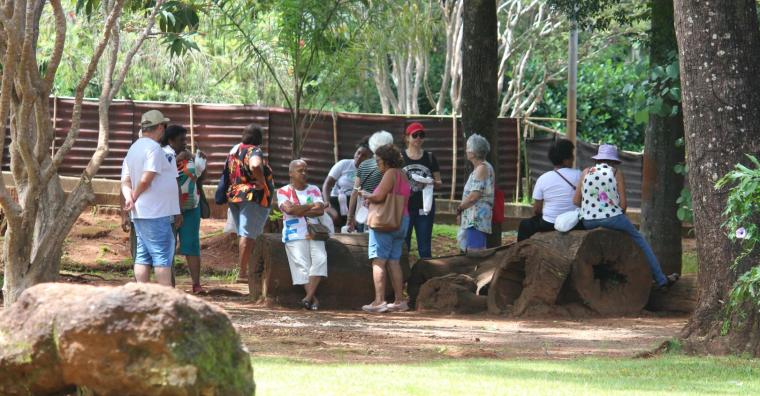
{"points": [[421, 168]]}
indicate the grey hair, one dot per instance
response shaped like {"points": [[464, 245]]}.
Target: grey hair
{"points": [[380, 139], [478, 145], [295, 163]]}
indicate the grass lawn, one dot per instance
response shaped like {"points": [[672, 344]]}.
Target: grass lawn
{"points": [[671, 375]]}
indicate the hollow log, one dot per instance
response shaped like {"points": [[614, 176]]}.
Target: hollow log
{"points": [[681, 297], [478, 265], [601, 269], [452, 293], [349, 273]]}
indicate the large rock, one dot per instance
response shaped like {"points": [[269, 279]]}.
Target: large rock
{"points": [[138, 339]]}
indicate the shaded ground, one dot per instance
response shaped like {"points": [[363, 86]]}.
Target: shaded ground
{"points": [[97, 243]]}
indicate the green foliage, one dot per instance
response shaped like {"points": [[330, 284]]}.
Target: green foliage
{"points": [[684, 212], [742, 213], [609, 99], [598, 14], [664, 91]]}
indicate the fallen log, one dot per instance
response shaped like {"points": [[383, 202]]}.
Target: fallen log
{"points": [[349, 273], [681, 297], [478, 265], [601, 269], [452, 293]]}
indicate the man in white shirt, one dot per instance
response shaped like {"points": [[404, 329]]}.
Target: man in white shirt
{"points": [[553, 192], [150, 191]]}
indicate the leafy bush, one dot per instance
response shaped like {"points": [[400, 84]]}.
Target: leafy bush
{"points": [[610, 101], [742, 212]]}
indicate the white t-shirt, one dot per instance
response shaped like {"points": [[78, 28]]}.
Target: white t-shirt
{"points": [[161, 199], [343, 172], [296, 228], [556, 192]]}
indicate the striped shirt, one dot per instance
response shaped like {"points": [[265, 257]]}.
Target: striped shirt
{"points": [[369, 175]]}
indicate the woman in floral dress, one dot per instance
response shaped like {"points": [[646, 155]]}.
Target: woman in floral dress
{"points": [[476, 209]]}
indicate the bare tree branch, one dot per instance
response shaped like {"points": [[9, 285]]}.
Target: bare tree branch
{"points": [[58, 46], [76, 116], [131, 54]]}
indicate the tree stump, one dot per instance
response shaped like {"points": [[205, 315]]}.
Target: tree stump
{"points": [[349, 273], [478, 265], [601, 269], [452, 293], [681, 297]]}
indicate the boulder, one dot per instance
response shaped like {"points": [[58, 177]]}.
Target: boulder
{"points": [[137, 339]]}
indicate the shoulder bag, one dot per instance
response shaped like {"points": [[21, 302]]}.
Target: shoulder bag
{"points": [[386, 216], [220, 196], [318, 231]]}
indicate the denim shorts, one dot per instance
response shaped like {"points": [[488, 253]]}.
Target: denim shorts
{"points": [[155, 241], [249, 218], [388, 245]]}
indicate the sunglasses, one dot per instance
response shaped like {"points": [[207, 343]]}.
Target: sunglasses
{"points": [[418, 135]]}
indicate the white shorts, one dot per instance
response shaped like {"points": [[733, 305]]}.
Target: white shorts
{"points": [[306, 258]]}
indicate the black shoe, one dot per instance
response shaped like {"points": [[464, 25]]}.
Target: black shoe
{"points": [[672, 279], [306, 304]]}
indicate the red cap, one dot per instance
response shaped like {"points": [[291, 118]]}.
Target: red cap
{"points": [[414, 127]]}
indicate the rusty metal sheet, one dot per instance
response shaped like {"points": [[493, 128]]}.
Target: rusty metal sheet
{"points": [[216, 128]]}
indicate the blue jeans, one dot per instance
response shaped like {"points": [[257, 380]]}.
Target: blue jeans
{"points": [[621, 223], [423, 226]]}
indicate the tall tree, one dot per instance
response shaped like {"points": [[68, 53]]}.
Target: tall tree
{"points": [[40, 220], [719, 56], [315, 38], [661, 183], [479, 68]]}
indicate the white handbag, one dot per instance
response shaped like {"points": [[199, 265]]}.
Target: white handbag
{"points": [[567, 221]]}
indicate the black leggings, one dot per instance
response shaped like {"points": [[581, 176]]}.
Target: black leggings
{"points": [[535, 224]]}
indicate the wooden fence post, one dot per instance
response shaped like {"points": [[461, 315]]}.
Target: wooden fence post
{"points": [[55, 119], [453, 156], [192, 128], [335, 136]]}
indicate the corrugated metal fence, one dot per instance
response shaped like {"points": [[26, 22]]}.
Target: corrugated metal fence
{"points": [[632, 165], [216, 128]]}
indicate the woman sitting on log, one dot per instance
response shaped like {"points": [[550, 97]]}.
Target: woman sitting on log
{"points": [[553, 193], [385, 245], [601, 196], [301, 204], [476, 209]]}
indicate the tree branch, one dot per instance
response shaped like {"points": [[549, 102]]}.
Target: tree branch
{"points": [[76, 116], [131, 54], [58, 46]]}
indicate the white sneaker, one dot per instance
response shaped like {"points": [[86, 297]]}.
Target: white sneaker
{"points": [[400, 307], [375, 308]]}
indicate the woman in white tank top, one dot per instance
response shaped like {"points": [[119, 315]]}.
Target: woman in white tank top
{"points": [[601, 196]]}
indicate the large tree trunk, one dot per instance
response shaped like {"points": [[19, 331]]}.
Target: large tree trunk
{"points": [[570, 273], [349, 273], [662, 185], [719, 54], [480, 65]]}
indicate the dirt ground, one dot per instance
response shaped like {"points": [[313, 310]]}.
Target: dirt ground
{"points": [[98, 243]]}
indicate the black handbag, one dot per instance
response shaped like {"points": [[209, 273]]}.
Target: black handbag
{"points": [[220, 197], [203, 204]]}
